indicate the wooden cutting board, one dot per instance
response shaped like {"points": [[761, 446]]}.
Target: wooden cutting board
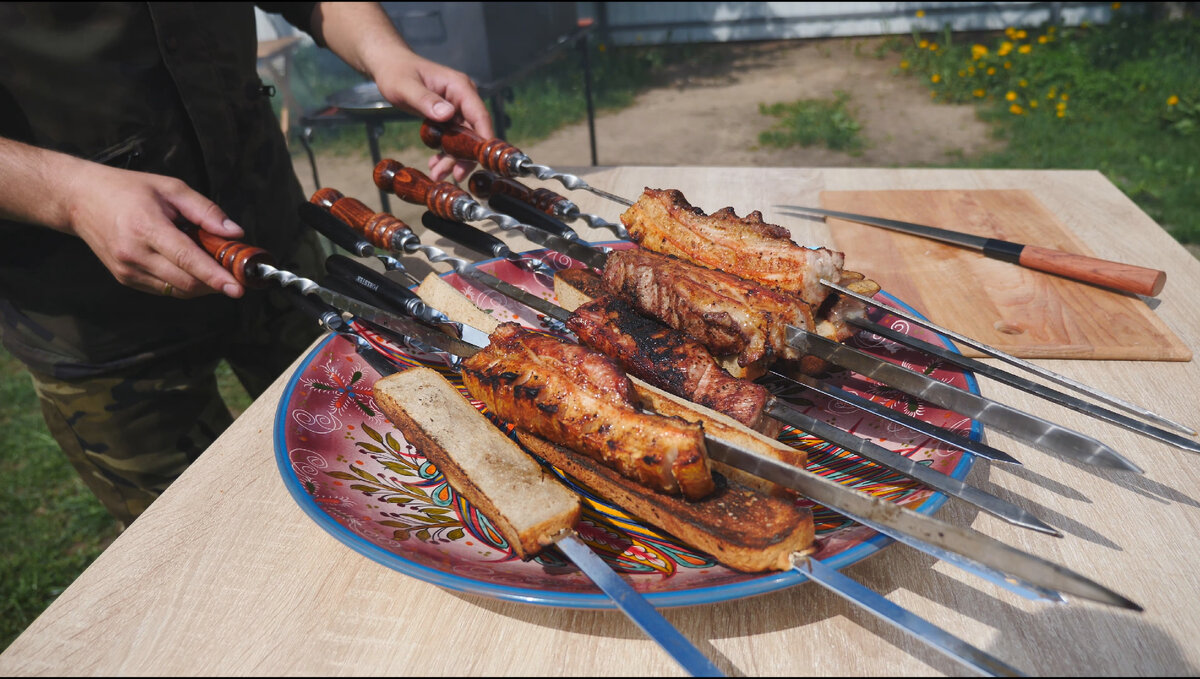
{"points": [[1023, 312]]}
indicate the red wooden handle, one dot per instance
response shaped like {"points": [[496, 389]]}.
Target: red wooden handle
{"points": [[235, 256], [1136, 279], [379, 228], [456, 140], [484, 184], [413, 186]]}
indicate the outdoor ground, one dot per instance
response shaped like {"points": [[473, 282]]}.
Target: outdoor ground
{"points": [[712, 118]]}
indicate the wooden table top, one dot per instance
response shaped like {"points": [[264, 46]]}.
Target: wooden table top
{"points": [[225, 574]]}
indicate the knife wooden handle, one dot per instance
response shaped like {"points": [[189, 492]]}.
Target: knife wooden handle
{"points": [[415, 187], [484, 184], [235, 256], [496, 155], [1136, 279], [379, 228]]}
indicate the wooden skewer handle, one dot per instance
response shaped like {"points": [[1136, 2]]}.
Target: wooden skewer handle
{"points": [[379, 228], [414, 187], [235, 256], [485, 184], [1136, 279], [496, 155]]}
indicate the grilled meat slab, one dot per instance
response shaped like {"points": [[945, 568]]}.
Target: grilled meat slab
{"points": [[726, 314], [580, 399], [666, 358], [664, 221]]}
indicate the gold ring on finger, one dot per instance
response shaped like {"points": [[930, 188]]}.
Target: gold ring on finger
{"points": [[167, 289]]}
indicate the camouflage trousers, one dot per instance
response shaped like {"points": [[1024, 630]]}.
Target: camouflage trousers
{"points": [[131, 432]]}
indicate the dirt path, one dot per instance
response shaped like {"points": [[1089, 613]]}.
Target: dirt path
{"points": [[709, 116]]}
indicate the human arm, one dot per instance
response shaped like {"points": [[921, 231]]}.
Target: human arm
{"points": [[363, 36], [127, 218]]}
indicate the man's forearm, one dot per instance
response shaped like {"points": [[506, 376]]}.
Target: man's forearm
{"points": [[360, 33], [32, 184]]}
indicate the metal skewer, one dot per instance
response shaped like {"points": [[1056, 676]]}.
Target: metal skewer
{"points": [[500, 157]]}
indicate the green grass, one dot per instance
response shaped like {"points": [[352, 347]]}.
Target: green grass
{"points": [[1122, 98], [53, 526], [813, 121]]}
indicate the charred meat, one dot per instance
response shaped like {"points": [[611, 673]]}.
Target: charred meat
{"points": [[664, 221], [578, 398], [666, 358], [726, 314]]}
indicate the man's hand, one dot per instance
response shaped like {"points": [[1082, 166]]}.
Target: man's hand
{"points": [[127, 218], [363, 36], [441, 94]]}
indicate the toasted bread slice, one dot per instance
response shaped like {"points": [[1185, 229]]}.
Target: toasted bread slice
{"points": [[439, 294], [739, 526], [524, 502]]}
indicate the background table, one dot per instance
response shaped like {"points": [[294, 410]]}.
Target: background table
{"points": [[225, 574]]}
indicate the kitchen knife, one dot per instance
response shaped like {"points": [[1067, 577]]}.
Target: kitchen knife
{"points": [[1115, 275]]}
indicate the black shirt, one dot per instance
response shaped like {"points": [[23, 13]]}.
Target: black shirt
{"points": [[168, 88]]}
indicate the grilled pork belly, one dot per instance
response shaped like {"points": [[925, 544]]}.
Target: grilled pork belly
{"points": [[726, 314], [667, 359], [664, 221], [580, 399]]}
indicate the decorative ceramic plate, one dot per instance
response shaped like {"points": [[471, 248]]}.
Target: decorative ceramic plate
{"points": [[353, 472]]}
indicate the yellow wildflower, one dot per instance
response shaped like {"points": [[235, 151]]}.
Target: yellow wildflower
{"points": [[1052, 93], [1008, 64], [971, 70], [979, 93], [933, 47], [1062, 106], [1019, 35], [1011, 96], [936, 77], [978, 51], [962, 74], [1033, 103], [1005, 48], [1051, 29], [1172, 100], [1016, 109], [1022, 83], [1025, 49], [1064, 96], [1116, 5], [1009, 31], [991, 70], [1061, 113], [1042, 39], [920, 13], [923, 44], [903, 64]]}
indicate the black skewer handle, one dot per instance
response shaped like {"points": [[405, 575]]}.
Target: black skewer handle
{"points": [[325, 314], [527, 214], [335, 230], [393, 295], [466, 235]]}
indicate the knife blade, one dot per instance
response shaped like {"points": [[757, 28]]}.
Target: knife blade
{"points": [[1117, 275]]}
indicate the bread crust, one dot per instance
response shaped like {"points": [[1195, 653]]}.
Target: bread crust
{"points": [[739, 526], [523, 501]]}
